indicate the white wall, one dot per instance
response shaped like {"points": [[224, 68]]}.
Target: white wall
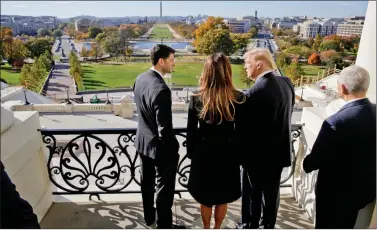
{"points": [[366, 56], [23, 155]]}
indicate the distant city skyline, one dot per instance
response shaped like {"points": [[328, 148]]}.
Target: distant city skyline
{"points": [[68, 9]]}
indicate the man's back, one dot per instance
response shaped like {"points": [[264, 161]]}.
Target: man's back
{"points": [[353, 159], [147, 87], [269, 109]]}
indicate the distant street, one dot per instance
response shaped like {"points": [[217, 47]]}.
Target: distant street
{"points": [[61, 81]]}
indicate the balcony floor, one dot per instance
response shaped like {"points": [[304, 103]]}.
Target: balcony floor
{"points": [[130, 215]]}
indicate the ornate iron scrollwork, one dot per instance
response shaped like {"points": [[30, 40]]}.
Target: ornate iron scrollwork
{"points": [[88, 164]]}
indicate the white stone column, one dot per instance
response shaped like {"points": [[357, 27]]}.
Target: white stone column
{"points": [[366, 56]]}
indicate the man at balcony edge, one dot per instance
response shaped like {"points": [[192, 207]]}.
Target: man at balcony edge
{"points": [[155, 141], [344, 154], [267, 125]]}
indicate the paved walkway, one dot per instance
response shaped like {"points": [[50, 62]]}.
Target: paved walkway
{"points": [[61, 81]]}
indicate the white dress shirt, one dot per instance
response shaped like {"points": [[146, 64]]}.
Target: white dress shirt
{"points": [[152, 68], [262, 74]]}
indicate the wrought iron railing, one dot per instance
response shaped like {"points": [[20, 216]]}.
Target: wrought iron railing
{"points": [[86, 161]]}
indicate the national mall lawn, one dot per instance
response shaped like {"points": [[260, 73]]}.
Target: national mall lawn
{"points": [[110, 76]]}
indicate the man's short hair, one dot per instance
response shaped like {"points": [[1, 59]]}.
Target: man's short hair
{"points": [[160, 51], [262, 54], [355, 78]]}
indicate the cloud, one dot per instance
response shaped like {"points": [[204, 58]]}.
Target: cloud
{"points": [[43, 5], [20, 6]]}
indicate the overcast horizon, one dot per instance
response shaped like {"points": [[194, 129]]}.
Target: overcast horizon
{"points": [[69, 9]]}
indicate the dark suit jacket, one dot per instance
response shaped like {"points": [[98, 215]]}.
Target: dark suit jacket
{"points": [[345, 155], [267, 118], [15, 212], [154, 135]]}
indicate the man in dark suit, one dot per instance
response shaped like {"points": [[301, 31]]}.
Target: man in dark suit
{"points": [[267, 120], [344, 154], [155, 142], [15, 211]]}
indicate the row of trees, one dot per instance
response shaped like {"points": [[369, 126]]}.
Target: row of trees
{"points": [[131, 30], [214, 36], [183, 29], [76, 70], [33, 75]]}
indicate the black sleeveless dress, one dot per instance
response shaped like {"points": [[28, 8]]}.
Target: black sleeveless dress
{"points": [[215, 165]]}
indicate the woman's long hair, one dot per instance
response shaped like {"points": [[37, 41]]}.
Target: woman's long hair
{"points": [[216, 90]]}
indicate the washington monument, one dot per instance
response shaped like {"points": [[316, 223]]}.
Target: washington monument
{"points": [[160, 10]]}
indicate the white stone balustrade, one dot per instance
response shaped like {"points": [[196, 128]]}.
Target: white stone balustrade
{"points": [[24, 156]]}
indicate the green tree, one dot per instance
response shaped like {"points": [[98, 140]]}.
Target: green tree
{"points": [[94, 31], [63, 25], [240, 41], [294, 71], [329, 45], [216, 40], [44, 32], [338, 61], [282, 60], [111, 44], [253, 31], [38, 46], [57, 33], [317, 42], [298, 51], [244, 79]]}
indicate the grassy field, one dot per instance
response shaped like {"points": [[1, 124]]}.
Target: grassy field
{"points": [[97, 76], [12, 77], [312, 70], [159, 32]]}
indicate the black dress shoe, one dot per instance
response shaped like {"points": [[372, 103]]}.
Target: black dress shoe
{"points": [[173, 226]]}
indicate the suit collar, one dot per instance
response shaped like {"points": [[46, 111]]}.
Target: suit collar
{"points": [[264, 76], [364, 101], [155, 73]]}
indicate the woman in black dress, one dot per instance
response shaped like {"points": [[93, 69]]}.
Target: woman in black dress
{"points": [[215, 167]]}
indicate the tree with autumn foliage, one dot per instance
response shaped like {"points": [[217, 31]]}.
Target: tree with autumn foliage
{"points": [[14, 50], [210, 24], [327, 55], [213, 36], [314, 59], [216, 40]]}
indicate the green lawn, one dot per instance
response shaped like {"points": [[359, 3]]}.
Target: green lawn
{"points": [[98, 76], [159, 32], [12, 77], [312, 70]]}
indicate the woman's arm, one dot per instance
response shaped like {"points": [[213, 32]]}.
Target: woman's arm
{"points": [[192, 128]]}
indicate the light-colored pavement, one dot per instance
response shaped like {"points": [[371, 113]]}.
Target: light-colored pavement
{"points": [[61, 80], [185, 212]]}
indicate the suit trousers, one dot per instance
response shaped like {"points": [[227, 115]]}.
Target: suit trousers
{"points": [[260, 186], [165, 173]]}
